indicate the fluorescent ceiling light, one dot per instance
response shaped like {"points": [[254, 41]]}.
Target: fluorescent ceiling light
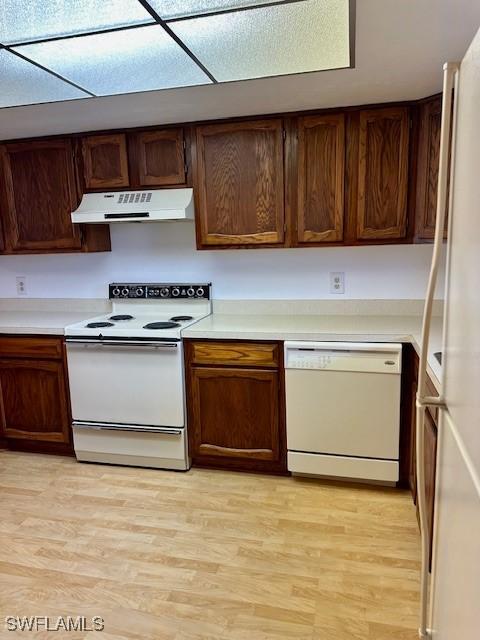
{"points": [[168, 9], [270, 41], [23, 83], [107, 47], [23, 21], [140, 59]]}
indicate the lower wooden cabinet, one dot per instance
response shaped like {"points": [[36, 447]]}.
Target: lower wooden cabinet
{"points": [[34, 406], [430, 461], [235, 408], [409, 428]]}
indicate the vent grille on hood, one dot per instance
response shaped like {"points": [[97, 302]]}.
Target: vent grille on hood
{"points": [[130, 198]]}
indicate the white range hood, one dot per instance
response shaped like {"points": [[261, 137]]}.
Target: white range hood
{"points": [[135, 206]]}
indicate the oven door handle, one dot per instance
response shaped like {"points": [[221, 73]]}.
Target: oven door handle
{"points": [[122, 343], [106, 426]]}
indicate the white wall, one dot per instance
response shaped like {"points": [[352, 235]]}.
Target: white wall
{"points": [[166, 252]]}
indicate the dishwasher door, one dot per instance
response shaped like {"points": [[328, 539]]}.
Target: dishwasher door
{"points": [[343, 409]]}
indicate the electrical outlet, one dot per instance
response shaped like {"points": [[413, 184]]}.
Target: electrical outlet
{"points": [[21, 286], [337, 282]]}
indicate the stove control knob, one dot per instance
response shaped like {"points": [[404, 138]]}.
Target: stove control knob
{"points": [[190, 292], [175, 292], [125, 292], [139, 292], [200, 292], [116, 291], [164, 292]]}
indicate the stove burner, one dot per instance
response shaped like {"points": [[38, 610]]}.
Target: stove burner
{"points": [[121, 317], [96, 325], [161, 325], [181, 318]]}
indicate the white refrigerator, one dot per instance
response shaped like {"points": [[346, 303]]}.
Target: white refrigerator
{"points": [[450, 607]]}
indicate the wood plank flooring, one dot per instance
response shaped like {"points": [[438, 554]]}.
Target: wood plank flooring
{"points": [[204, 555]]}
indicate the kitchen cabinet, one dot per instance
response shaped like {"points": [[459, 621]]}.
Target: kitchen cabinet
{"points": [[157, 158], [430, 471], [427, 169], [34, 406], [38, 192], [235, 401], [321, 169], [239, 184], [382, 191], [105, 161]]}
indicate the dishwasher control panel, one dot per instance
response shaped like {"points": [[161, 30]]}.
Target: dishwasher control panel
{"points": [[308, 359], [365, 357]]}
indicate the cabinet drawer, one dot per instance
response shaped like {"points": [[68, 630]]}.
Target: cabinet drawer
{"points": [[235, 353], [13, 347]]}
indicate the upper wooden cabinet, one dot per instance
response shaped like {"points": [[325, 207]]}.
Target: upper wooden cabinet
{"points": [[160, 157], [239, 183], [321, 168], [105, 161], [383, 174], [427, 168], [37, 195]]}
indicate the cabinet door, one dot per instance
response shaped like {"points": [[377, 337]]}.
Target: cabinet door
{"points": [[105, 162], [160, 157], [236, 420], [383, 174], [239, 183], [427, 171], [38, 194], [430, 470], [33, 400], [321, 168]]}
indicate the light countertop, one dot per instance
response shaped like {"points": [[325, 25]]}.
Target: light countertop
{"points": [[364, 328], [40, 322], [52, 320]]}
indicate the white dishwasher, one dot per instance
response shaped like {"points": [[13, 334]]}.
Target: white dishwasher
{"points": [[343, 409]]}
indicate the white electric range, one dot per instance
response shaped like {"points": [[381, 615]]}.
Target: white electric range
{"points": [[126, 376]]}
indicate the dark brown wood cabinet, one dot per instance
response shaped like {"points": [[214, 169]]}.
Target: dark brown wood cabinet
{"points": [[430, 471], [34, 405], [239, 184], [157, 158], [383, 173], [105, 161], [427, 169], [321, 169], [235, 400], [37, 195], [38, 192]]}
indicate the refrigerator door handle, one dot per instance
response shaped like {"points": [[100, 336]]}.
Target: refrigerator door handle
{"points": [[450, 74]]}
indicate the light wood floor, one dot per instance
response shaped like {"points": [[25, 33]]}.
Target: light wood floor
{"points": [[204, 555]]}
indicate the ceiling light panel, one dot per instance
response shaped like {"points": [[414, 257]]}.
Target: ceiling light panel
{"points": [[23, 83], [22, 21], [140, 59], [270, 41], [168, 9]]}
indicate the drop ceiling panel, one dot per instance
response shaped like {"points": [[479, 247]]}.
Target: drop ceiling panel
{"points": [[168, 9], [139, 59], [269, 41], [23, 83], [34, 20]]}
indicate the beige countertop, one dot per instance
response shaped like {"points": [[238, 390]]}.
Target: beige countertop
{"points": [[358, 328], [39, 322], [51, 317]]}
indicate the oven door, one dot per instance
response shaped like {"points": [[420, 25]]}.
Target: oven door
{"points": [[126, 382]]}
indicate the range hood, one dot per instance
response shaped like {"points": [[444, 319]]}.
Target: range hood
{"points": [[135, 206]]}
